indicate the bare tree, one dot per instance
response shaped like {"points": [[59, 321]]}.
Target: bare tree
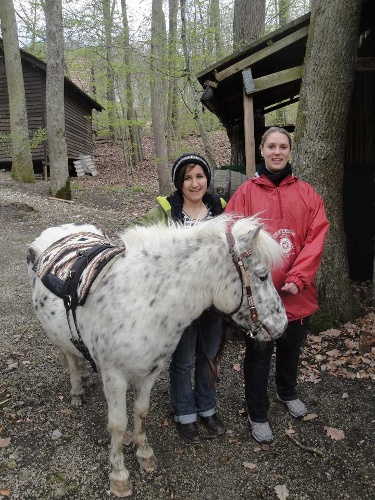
{"points": [[158, 87], [136, 146], [194, 91], [110, 92], [172, 113], [320, 140], [22, 164], [248, 26], [57, 147], [248, 21], [215, 44]]}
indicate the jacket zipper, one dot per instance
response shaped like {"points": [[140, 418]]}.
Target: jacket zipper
{"points": [[280, 205]]}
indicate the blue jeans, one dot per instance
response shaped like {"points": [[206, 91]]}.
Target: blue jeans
{"points": [[188, 402], [257, 367]]}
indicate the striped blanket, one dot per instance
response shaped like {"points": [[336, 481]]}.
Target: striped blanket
{"points": [[70, 266]]}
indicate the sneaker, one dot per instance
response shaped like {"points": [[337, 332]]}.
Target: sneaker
{"points": [[296, 407], [261, 432]]}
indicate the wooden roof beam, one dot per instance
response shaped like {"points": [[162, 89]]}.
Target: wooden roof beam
{"points": [[276, 79], [282, 104], [262, 54]]}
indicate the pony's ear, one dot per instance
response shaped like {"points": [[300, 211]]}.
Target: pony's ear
{"points": [[245, 242]]}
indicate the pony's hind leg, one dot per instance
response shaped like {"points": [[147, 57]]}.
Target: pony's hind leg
{"points": [[115, 387], [76, 392], [144, 453]]}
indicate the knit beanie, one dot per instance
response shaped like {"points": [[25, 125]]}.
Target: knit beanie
{"points": [[190, 158]]}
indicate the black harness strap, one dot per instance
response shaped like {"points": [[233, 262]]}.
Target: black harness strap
{"points": [[70, 297]]}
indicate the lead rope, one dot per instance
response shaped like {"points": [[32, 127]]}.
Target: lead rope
{"points": [[215, 365]]}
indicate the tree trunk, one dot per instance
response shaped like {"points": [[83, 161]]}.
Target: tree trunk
{"points": [[248, 26], [172, 113], [248, 22], [110, 91], [284, 17], [57, 147], [136, 149], [158, 104], [320, 141], [22, 164], [194, 91], [215, 44]]}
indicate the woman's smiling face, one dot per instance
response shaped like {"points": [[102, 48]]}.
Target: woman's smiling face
{"points": [[195, 183], [276, 151]]}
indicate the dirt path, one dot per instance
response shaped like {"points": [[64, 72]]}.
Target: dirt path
{"points": [[50, 451]]}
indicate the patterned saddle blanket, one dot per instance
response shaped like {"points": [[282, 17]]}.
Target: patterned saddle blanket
{"points": [[69, 267]]}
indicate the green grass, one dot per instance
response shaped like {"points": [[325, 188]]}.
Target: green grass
{"points": [[139, 189], [77, 187]]}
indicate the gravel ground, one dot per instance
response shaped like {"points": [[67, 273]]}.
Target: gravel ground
{"points": [[49, 450]]}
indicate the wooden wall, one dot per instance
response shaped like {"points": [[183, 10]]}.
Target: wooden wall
{"points": [[359, 176], [78, 112]]}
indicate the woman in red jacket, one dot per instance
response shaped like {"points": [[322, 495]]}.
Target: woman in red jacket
{"points": [[293, 213]]}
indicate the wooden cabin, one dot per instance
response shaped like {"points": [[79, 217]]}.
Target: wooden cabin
{"points": [[266, 75], [78, 111]]}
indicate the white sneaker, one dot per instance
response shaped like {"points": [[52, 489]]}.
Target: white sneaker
{"points": [[296, 407], [261, 432]]}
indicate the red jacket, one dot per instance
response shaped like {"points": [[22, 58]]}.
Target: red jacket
{"points": [[293, 213]]}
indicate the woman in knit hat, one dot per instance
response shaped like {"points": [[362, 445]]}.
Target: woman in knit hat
{"points": [[189, 204]]}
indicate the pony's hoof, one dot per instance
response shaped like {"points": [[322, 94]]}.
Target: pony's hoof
{"points": [[121, 489], [148, 464], [76, 401]]}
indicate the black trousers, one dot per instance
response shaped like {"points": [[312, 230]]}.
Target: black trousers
{"points": [[257, 367]]}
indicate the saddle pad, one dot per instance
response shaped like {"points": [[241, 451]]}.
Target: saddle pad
{"points": [[80, 256]]}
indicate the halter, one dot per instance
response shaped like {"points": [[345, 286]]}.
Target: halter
{"points": [[245, 282]]}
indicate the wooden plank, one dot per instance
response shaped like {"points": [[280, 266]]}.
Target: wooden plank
{"points": [[279, 78], [249, 134], [280, 105], [262, 54], [365, 64]]}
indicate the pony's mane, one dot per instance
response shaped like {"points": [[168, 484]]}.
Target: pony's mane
{"points": [[136, 237], [263, 245]]}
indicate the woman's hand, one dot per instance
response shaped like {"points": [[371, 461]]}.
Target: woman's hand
{"points": [[290, 287]]}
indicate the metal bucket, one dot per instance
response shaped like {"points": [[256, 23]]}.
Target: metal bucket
{"points": [[226, 182]]}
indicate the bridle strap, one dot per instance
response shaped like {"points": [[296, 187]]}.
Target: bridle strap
{"points": [[238, 262]]}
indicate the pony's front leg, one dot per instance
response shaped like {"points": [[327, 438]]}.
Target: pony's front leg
{"points": [[75, 375], [115, 387], [144, 453]]}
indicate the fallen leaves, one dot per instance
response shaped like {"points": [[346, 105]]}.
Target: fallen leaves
{"points": [[66, 411], [338, 352], [335, 434], [309, 417], [249, 465], [4, 442], [281, 491]]}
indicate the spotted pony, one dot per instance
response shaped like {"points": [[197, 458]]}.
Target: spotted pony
{"points": [[133, 319]]}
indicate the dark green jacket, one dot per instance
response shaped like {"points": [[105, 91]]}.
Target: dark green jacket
{"points": [[170, 208]]}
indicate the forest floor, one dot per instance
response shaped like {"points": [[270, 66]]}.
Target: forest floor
{"points": [[51, 451]]}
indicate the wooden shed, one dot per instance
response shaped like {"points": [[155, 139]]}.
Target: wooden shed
{"points": [[78, 110], [266, 75]]}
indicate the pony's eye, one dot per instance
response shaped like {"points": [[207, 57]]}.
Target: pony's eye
{"points": [[264, 277]]}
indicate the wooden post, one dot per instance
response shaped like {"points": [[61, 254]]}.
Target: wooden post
{"points": [[248, 111], [249, 135]]}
